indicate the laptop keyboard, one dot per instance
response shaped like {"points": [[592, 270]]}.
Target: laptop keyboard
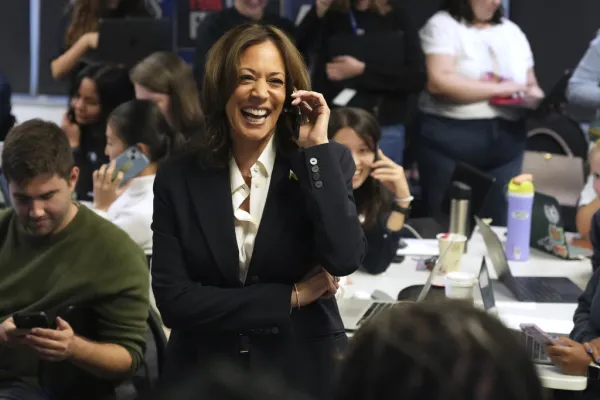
{"points": [[534, 290], [375, 309], [536, 351]]}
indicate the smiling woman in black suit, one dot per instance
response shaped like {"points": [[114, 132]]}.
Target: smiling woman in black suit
{"points": [[252, 230]]}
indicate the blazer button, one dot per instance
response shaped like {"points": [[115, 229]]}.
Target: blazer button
{"points": [[316, 177], [313, 161], [251, 331], [318, 184], [314, 168], [260, 330], [255, 279], [275, 330]]}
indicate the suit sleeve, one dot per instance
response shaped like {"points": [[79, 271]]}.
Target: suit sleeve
{"points": [[188, 304], [583, 330], [206, 36], [325, 174], [411, 77]]}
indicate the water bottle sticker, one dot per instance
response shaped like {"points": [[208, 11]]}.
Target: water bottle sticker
{"points": [[552, 214], [520, 214], [517, 252]]}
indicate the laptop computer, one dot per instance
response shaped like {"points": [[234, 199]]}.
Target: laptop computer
{"points": [[355, 312], [525, 288], [547, 230], [480, 184], [130, 40], [485, 287]]}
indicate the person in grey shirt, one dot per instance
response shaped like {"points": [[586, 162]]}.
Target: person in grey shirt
{"points": [[584, 85]]}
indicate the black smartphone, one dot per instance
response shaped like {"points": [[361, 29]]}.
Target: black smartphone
{"points": [[291, 116], [30, 320]]}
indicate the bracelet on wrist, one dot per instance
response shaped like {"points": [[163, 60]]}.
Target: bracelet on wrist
{"points": [[407, 199]]}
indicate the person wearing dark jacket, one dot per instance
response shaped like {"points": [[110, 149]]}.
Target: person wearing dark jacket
{"points": [[380, 188], [574, 355], [386, 89], [215, 25], [7, 120]]}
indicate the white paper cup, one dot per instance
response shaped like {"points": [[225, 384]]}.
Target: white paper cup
{"points": [[450, 260], [459, 285]]}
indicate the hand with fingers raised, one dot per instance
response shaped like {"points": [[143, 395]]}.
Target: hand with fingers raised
{"points": [[315, 109]]}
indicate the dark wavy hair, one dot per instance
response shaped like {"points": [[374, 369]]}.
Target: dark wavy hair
{"points": [[462, 10], [437, 351], [372, 198], [112, 84], [221, 78], [141, 121]]}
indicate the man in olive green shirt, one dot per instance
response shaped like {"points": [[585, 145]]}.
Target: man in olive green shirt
{"points": [[55, 254]]}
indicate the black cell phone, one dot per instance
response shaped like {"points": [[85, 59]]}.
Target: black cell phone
{"points": [[291, 116], [30, 320]]}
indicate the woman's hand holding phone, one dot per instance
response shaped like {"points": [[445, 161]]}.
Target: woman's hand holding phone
{"points": [[315, 109], [71, 130], [391, 175], [107, 189], [572, 357]]}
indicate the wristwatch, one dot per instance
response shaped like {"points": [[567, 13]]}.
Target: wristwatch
{"points": [[403, 210]]}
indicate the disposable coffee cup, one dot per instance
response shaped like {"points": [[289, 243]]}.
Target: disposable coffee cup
{"points": [[459, 285], [450, 260]]}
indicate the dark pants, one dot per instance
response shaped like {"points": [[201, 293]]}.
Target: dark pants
{"points": [[495, 146], [16, 390]]}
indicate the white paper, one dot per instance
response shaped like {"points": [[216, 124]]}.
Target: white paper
{"points": [[344, 97], [302, 11], [420, 247]]}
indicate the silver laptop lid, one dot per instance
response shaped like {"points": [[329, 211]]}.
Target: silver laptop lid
{"points": [[434, 272]]}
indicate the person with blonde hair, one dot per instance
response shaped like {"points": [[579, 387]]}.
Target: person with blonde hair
{"points": [[254, 227], [168, 81]]}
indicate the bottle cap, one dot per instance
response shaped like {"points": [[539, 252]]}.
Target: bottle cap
{"points": [[460, 191], [525, 187]]}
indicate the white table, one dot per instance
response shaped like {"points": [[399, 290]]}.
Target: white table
{"points": [[400, 276]]}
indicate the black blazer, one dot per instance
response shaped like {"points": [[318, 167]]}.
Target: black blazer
{"points": [[309, 219]]}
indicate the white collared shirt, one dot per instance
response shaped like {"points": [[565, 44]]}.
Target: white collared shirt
{"points": [[246, 224]]}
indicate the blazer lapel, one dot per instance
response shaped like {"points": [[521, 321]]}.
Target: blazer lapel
{"points": [[274, 214], [210, 191]]}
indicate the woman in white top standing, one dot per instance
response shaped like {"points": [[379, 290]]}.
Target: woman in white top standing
{"points": [[473, 55], [137, 123]]}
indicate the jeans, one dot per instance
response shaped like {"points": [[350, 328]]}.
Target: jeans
{"points": [[392, 142], [17, 390], [494, 146]]}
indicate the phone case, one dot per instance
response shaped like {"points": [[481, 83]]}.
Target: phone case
{"points": [[31, 320], [291, 117], [537, 334], [131, 163]]}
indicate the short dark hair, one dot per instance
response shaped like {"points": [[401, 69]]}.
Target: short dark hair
{"points": [[372, 198], [141, 121], [437, 350], [221, 79], [36, 148], [462, 10]]}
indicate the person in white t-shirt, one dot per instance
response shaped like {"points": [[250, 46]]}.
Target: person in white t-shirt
{"points": [[137, 123], [589, 199], [473, 55]]}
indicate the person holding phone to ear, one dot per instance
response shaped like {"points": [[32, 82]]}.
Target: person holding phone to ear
{"points": [[381, 190], [138, 131], [252, 228]]}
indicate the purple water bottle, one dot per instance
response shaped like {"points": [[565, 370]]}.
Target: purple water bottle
{"points": [[520, 202]]}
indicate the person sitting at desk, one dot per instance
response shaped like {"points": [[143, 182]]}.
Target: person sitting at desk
{"points": [[137, 124], [436, 351], [100, 89], [252, 229], [56, 254], [79, 32], [380, 188], [168, 81], [383, 89]]}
